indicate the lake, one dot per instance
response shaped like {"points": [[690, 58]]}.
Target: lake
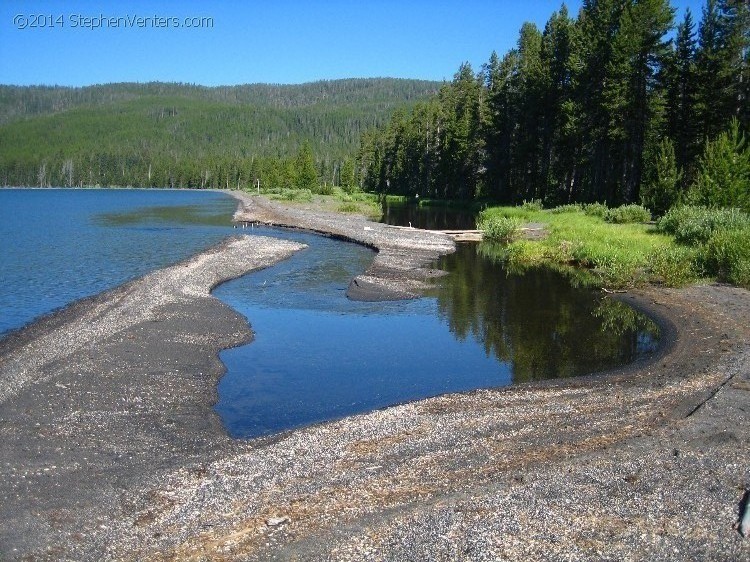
{"points": [[60, 245], [316, 355]]}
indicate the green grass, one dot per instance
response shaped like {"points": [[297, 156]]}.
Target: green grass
{"points": [[350, 207], [499, 228], [396, 199], [595, 252]]}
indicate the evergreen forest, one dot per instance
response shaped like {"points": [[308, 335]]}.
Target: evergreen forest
{"points": [[625, 102], [181, 135]]}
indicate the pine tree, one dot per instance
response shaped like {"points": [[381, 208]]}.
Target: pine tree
{"points": [[306, 174], [661, 189], [743, 35], [502, 115], [632, 93], [461, 143], [558, 126], [595, 108], [526, 159], [736, 40], [348, 178], [681, 95], [722, 64], [723, 178], [598, 23]]}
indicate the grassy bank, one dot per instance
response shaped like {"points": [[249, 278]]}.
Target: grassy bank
{"points": [[355, 202], [616, 248]]}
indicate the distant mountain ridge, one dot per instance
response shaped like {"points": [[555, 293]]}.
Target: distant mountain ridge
{"points": [[141, 133], [26, 101]]}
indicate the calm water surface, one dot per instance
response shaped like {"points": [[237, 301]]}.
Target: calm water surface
{"points": [[316, 355], [319, 356], [60, 245], [429, 218]]}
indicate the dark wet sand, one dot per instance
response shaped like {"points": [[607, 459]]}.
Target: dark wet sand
{"points": [[111, 449]]}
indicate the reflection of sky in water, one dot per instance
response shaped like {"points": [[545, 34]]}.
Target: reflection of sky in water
{"points": [[318, 356]]}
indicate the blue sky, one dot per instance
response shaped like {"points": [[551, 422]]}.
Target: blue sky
{"points": [[283, 41]]}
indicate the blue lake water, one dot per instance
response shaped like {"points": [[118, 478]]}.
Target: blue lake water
{"points": [[60, 245], [316, 355]]}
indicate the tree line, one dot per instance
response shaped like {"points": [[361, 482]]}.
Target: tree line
{"points": [[615, 105], [299, 171]]}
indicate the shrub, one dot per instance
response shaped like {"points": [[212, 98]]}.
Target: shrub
{"points": [[573, 208], [325, 189], [294, 195], [533, 205], [674, 266], [500, 229], [727, 255], [595, 209], [694, 225], [628, 214], [349, 207]]}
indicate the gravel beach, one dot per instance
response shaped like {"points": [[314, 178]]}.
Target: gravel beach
{"points": [[111, 449], [401, 267]]}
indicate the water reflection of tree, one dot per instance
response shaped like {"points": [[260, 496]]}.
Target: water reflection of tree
{"points": [[536, 321], [430, 218]]}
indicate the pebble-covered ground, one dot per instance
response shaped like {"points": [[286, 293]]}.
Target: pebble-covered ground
{"points": [[113, 390], [401, 267], [111, 451]]}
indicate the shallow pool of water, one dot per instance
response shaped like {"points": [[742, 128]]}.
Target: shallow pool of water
{"points": [[429, 217], [319, 356]]}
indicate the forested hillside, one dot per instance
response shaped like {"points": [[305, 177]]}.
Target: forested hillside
{"points": [[181, 135], [619, 103]]}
